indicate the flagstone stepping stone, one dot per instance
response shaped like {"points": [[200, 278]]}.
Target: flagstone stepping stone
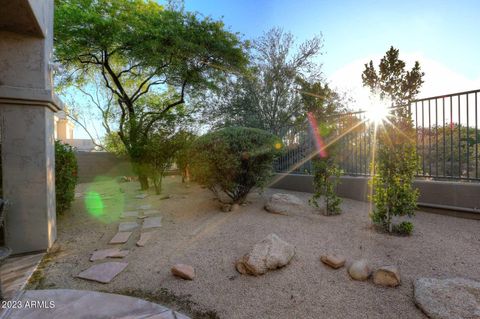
{"points": [[152, 222], [78, 195], [141, 196], [334, 261], [103, 273], [151, 212], [145, 207], [110, 252], [144, 237], [120, 238], [127, 226], [132, 213]]}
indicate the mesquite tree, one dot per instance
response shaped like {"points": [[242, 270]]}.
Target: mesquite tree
{"points": [[396, 158], [140, 48]]}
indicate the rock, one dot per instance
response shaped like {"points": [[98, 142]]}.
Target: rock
{"points": [[284, 204], [388, 276], [453, 298], [270, 253], [183, 271], [334, 261], [226, 208], [359, 270], [235, 207]]}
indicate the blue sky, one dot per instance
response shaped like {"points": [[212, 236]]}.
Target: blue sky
{"points": [[446, 33]]}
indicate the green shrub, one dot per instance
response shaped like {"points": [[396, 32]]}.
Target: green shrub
{"points": [[326, 175], [234, 160], [404, 228], [66, 177]]}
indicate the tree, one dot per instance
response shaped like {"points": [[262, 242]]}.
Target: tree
{"points": [[267, 96], [322, 104], [139, 49], [396, 158]]}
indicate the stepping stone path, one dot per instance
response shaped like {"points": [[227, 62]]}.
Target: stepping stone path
{"points": [[141, 196], [151, 212], [183, 271], [144, 237], [120, 238], [111, 252], [103, 273], [152, 222], [130, 214], [127, 226], [334, 261]]}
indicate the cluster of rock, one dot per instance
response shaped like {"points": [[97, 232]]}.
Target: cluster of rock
{"points": [[388, 276]]}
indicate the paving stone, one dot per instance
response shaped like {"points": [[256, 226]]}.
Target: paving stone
{"points": [[110, 252], [144, 237], [152, 222], [127, 226], [141, 196], [145, 207], [132, 213], [120, 238], [334, 261], [104, 272]]}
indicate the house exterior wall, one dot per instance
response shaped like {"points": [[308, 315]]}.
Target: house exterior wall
{"points": [[27, 106]]}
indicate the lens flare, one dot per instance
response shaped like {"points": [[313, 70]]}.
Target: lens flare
{"points": [[377, 109], [318, 139]]}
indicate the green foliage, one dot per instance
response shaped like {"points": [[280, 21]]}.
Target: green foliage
{"points": [[233, 160], [396, 158], [66, 170], [326, 176], [404, 228], [149, 58]]}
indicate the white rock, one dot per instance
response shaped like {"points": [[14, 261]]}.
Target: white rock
{"points": [[284, 204], [271, 253], [359, 270], [454, 298]]}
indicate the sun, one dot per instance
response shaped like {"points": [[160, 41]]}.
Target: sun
{"points": [[377, 109]]}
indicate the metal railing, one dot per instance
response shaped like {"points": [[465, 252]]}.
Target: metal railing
{"points": [[447, 131]]}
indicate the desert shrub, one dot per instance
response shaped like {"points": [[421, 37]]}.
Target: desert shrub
{"points": [[404, 228], [326, 176], [66, 177], [234, 160]]}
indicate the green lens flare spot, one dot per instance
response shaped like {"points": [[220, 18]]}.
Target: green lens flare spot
{"points": [[94, 204]]}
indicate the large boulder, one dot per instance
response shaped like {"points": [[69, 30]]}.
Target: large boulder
{"points": [[270, 253], [454, 298], [284, 204]]}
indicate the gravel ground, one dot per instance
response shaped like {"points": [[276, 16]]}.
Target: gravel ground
{"points": [[196, 232]]}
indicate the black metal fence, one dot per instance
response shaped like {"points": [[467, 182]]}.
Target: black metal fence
{"points": [[447, 131]]}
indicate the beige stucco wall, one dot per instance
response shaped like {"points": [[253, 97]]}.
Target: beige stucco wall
{"points": [[27, 106]]}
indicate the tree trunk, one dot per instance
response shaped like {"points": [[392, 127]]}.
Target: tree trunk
{"points": [[143, 179]]}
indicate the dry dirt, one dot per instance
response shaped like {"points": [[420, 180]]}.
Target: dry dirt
{"points": [[194, 231]]}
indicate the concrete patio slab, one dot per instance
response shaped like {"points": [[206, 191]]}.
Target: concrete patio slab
{"points": [[152, 222], [145, 207], [151, 212], [76, 304], [103, 273], [120, 238], [127, 226], [108, 253], [141, 196]]}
